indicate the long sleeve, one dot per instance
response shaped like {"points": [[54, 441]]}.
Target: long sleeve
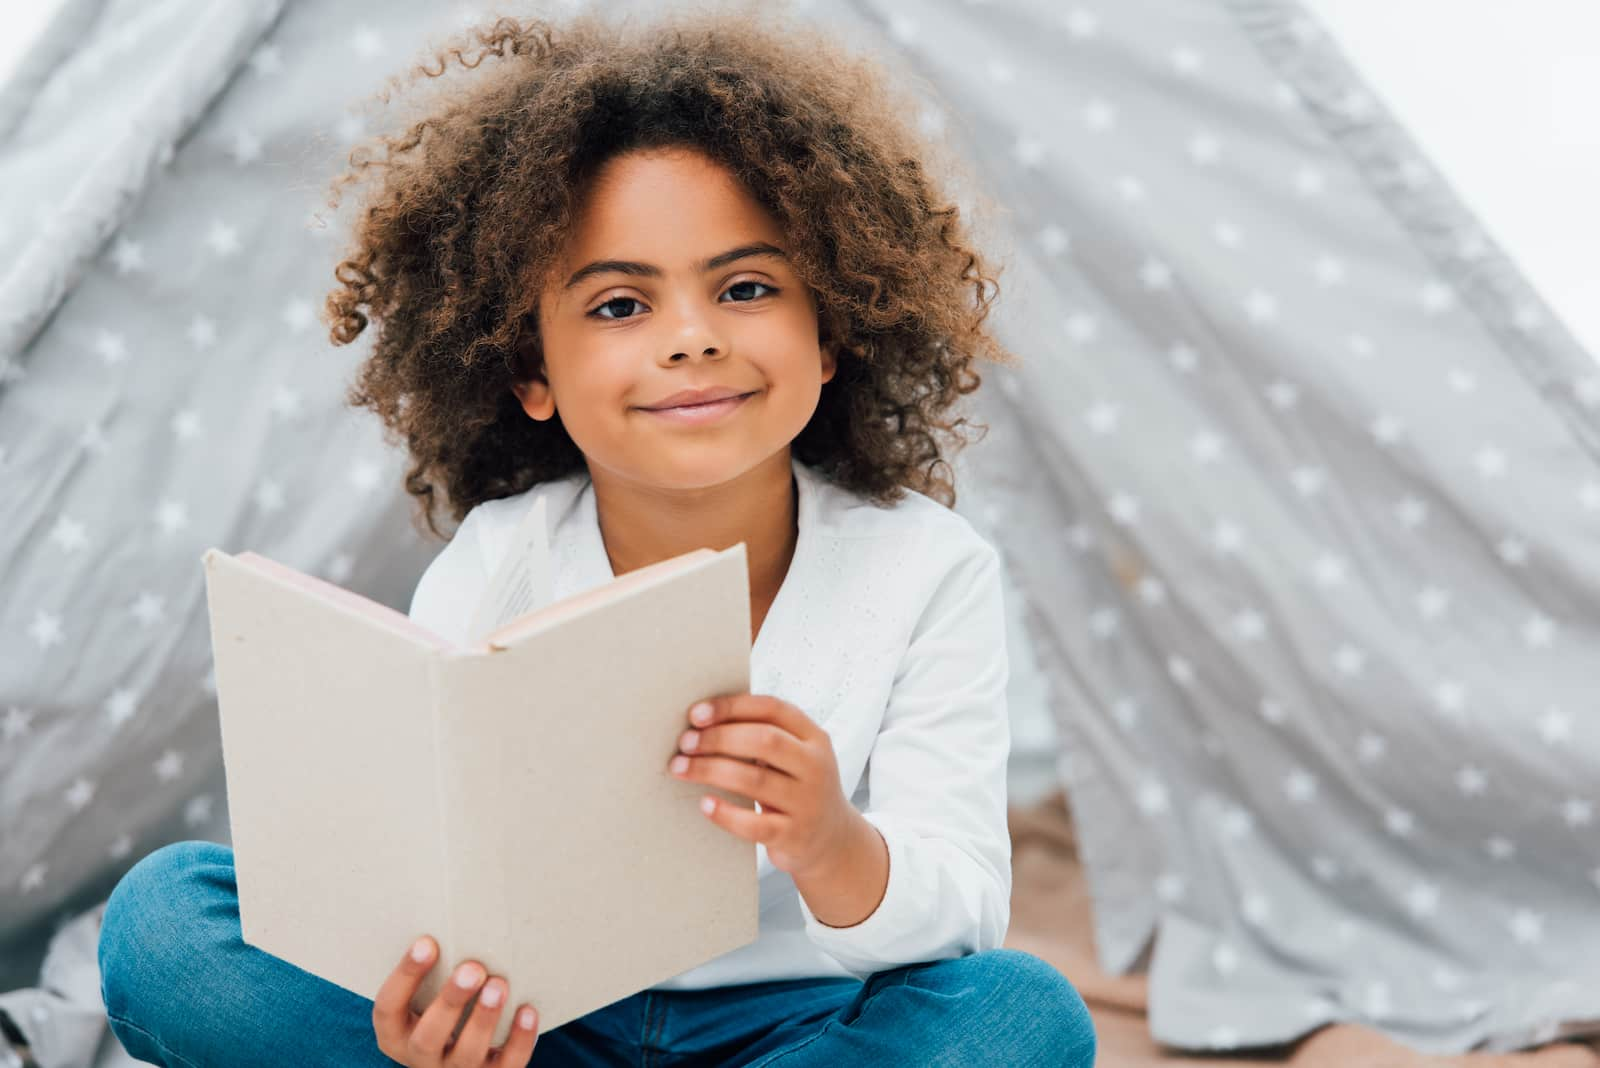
{"points": [[937, 785]]}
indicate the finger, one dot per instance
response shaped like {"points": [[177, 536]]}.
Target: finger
{"points": [[763, 826], [756, 707], [472, 1044], [392, 1017], [439, 1019], [760, 742], [519, 1045], [771, 787]]}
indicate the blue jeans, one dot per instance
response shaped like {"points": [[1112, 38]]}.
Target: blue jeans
{"points": [[182, 988]]}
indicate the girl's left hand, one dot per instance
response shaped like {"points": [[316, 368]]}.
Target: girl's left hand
{"points": [[771, 752]]}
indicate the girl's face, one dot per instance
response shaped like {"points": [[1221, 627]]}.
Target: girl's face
{"points": [[675, 279]]}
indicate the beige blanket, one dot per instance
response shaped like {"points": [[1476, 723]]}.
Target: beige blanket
{"points": [[1050, 919]]}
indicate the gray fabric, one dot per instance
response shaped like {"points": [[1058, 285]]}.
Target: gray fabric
{"points": [[1301, 484], [1243, 304]]}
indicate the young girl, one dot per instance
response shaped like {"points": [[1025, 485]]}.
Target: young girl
{"points": [[692, 281]]}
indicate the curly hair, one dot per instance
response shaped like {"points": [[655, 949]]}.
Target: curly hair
{"points": [[479, 194]]}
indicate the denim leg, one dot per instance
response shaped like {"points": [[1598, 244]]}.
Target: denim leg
{"points": [[999, 1007], [183, 989]]}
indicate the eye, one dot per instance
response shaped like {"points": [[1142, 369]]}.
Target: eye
{"points": [[749, 282], [614, 300]]}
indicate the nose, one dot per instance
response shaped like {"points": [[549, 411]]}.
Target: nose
{"points": [[692, 332]]}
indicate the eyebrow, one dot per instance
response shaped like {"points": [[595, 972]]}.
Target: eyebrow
{"points": [[649, 270]]}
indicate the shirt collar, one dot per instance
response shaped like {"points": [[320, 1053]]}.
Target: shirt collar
{"points": [[584, 564]]}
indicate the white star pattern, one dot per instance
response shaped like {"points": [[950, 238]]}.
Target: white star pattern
{"points": [[222, 239], [1261, 306], [1399, 822], [1227, 537], [1099, 116], [1224, 958], [111, 348], [1249, 625], [1471, 780], [1433, 602], [1538, 632], [1054, 240], [1272, 711], [1450, 697], [172, 516], [1184, 358], [1205, 447], [1155, 275], [1080, 23], [1124, 509], [1181, 670], [1283, 395], [1349, 660], [1422, 900], [1082, 327], [79, 794], [269, 496], [366, 42], [1412, 512], [1370, 748], [1152, 798], [170, 766], [1386, 429], [1490, 461], [1555, 726], [1170, 888], [1514, 551], [1527, 927], [1103, 622], [1500, 847], [149, 609], [1577, 812], [1151, 591], [69, 534], [246, 147], [197, 811], [1204, 148], [1308, 481], [121, 707], [17, 722], [1102, 418], [202, 333], [186, 424], [1329, 270], [45, 630], [1329, 571], [1300, 786], [128, 256]]}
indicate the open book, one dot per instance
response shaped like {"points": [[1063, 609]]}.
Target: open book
{"points": [[510, 798]]}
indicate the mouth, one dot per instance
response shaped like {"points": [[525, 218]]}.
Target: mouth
{"points": [[700, 413]]}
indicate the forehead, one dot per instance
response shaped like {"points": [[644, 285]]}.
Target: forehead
{"points": [[670, 207]]}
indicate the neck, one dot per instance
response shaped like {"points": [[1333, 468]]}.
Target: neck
{"points": [[642, 525]]}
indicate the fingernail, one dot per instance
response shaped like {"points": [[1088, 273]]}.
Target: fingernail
{"points": [[468, 976], [691, 739], [420, 950], [680, 764], [525, 1018], [700, 714], [707, 805], [491, 995]]}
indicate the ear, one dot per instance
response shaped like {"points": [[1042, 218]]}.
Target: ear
{"points": [[535, 397], [830, 363]]}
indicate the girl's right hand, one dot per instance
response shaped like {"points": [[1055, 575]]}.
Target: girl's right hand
{"points": [[418, 1041]]}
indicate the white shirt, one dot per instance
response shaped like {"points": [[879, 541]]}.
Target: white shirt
{"points": [[889, 632]]}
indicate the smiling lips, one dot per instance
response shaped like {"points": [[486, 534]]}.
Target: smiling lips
{"points": [[701, 413]]}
